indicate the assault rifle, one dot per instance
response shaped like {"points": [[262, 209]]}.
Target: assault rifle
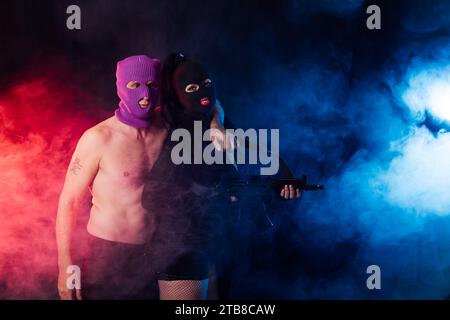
{"points": [[259, 185]]}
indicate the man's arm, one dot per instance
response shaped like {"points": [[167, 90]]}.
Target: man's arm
{"points": [[80, 174]]}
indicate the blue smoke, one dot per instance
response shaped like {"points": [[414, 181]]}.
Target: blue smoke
{"points": [[425, 16], [379, 141]]}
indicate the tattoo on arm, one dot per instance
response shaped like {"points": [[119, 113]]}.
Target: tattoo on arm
{"points": [[76, 166]]}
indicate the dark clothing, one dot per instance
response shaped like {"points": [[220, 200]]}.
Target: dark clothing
{"points": [[188, 265], [191, 216], [198, 226], [114, 270]]}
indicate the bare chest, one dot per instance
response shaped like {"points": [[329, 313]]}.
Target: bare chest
{"points": [[127, 161]]}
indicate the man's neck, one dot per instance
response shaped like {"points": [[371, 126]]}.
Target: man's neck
{"points": [[124, 116], [138, 133]]}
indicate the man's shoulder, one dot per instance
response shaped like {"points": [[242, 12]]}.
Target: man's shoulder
{"points": [[98, 134]]}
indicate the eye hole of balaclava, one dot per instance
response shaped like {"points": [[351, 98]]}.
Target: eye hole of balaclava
{"points": [[135, 84], [194, 88]]}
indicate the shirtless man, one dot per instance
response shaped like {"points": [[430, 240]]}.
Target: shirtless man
{"points": [[111, 160]]}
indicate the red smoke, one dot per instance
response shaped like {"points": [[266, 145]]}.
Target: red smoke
{"points": [[41, 119]]}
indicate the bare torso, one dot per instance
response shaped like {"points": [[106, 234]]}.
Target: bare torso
{"points": [[116, 212]]}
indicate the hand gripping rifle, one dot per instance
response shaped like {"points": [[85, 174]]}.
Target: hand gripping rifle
{"points": [[261, 186]]}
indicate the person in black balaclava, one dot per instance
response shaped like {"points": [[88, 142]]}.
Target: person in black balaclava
{"points": [[189, 215], [193, 221]]}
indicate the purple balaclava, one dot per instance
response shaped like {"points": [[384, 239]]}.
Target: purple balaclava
{"points": [[145, 71]]}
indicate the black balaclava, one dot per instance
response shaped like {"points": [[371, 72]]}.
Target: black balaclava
{"points": [[194, 90]]}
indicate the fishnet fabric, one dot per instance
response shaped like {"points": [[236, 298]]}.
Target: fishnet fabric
{"points": [[183, 289]]}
